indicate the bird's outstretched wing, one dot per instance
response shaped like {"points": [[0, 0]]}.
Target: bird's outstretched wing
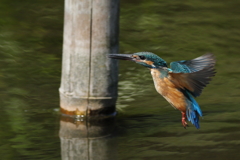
{"points": [[194, 65], [193, 75]]}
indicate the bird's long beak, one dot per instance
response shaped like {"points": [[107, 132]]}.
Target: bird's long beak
{"points": [[121, 56]]}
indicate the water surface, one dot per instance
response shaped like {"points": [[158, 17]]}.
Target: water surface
{"points": [[146, 127]]}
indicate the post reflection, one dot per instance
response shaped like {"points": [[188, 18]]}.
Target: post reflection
{"points": [[87, 140]]}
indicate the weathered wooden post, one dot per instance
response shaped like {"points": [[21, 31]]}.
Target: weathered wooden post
{"points": [[89, 77]]}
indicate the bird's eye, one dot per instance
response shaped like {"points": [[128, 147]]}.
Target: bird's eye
{"points": [[142, 57]]}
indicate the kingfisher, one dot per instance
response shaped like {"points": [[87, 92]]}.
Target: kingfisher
{"points": [[181, 83]]}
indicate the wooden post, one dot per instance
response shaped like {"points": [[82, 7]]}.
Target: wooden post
{"points": [[89, 77]]}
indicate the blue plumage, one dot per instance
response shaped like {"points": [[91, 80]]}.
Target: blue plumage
{"points": [[193, 110], [180, 83], [157, 61], [194, 65]]}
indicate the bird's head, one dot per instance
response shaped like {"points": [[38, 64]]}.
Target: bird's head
{"points": [[147, 59]]}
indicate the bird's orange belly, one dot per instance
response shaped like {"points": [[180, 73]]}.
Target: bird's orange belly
{"points": [[169, 91]]}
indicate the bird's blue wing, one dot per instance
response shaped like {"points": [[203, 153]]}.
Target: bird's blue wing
{"points": [[193, 82], [191, 77], [194, 65]]}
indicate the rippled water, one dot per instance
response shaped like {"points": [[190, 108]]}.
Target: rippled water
{"points": [[146, 127]]}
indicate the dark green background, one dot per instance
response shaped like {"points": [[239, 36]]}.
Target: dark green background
{"points": [[147, 127]]}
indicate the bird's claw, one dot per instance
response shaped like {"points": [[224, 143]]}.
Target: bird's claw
{"points": [[184, 123]]}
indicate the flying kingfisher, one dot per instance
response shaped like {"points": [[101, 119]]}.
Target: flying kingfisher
{"points": [[180, 83]]}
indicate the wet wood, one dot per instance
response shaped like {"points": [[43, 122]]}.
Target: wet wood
{"points": [[89, 77]]}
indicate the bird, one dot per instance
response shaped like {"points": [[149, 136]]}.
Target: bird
{"points": [[179, 84]]}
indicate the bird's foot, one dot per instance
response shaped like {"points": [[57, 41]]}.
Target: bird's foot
{"points": [[184, 123]]}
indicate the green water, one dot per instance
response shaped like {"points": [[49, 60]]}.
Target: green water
{"points": [[147, 127]]}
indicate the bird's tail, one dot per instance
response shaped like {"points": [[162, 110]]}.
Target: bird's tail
{"points": [[193, 110]]}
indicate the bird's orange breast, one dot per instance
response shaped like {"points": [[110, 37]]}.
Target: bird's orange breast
{"points": [[168, 90]]}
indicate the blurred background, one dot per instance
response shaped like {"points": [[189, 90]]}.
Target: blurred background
{"points": [[146, 126]]}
